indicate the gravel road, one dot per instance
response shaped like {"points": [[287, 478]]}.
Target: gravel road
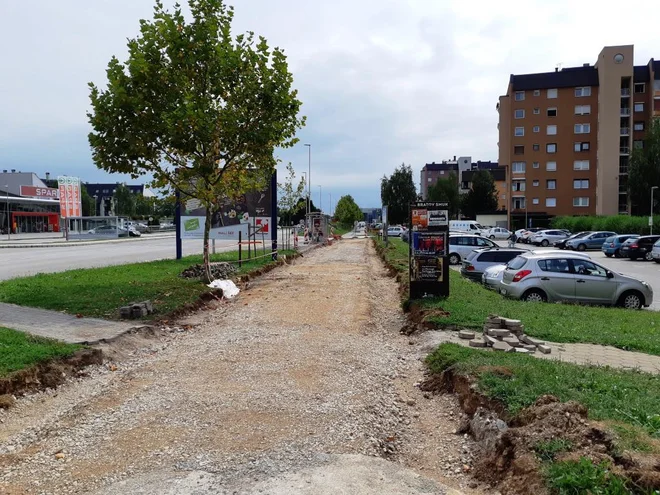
{"points": [[302, 384]]}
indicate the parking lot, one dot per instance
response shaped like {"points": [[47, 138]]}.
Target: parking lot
{"points": [[647, 271]]}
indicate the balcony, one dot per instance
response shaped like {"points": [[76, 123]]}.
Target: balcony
{"points": [[623, 169], [625, 131], [625, 112], [625, 92], [624, 150]]}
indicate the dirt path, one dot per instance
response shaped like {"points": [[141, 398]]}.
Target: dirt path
{"points": [[301, 385]]}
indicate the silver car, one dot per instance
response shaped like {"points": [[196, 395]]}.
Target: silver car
{"points": [[569, 278], [461, 245], [655, 252], [478, 260], [548, 237]]}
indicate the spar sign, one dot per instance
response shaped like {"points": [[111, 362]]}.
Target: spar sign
{"points": [[70, 197]]}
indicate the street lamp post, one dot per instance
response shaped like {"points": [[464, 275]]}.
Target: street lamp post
{"points": [[309, 178], [651, 216], [330, 205], [8, 219], [321, 199]]}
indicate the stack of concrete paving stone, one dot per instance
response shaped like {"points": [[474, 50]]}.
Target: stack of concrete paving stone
{"points": [[504, 334], [136, 310]]}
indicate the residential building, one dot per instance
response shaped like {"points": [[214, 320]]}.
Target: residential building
{"points": [[431, 172], [103, 195], [565, 136]]}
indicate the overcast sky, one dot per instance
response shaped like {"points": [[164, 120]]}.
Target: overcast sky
{"points": [[382, 81]]}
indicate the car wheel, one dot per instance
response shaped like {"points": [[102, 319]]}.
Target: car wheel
{"points": [[581, 247], [648, 256], [534, 295], [544, 243], [617, 254], [454, 259], [631, 300], [492, 237], [609, 255]]}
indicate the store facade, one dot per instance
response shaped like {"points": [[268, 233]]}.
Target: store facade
{"points": [[27, 205]]}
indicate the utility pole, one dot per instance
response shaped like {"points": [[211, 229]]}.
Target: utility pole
{"points": [[309, 178], [651, 216]]}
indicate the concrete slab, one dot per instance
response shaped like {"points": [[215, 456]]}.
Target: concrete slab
{"points": [[61, 326], [465, 334]]}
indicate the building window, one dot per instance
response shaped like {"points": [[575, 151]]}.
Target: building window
{"points": [[520, 95], [638, 145], [639, 107], [551, 184], [584, 91], [552, 112], [535, 165], [582, 128], [537, 92], [537, 111], [551, 166], [518, 167], [535, 201], [552, 93], [519, 204], [638, 126], [551, 130], [581, 184], [519, 114], [536, 128], [582, 109], [581, 146], [518, 186], [518, 150], [519, 131], [535, 183], [536, 147], [581, 165], [640, 87], [581, 202], [430, 179], [551, 148], [550, 202]]}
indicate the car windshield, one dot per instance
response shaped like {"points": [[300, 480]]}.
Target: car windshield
{"points": [[517, 263], [611, 239], [479, 226]]}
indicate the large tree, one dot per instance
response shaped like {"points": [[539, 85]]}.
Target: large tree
{"points": [[446, 190], [124, 201], [347, 212], [198, 109], [397, 192], [644, 172], [482, 196]]}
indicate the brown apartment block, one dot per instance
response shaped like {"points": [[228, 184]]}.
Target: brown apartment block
{"points": [[566, 136]]}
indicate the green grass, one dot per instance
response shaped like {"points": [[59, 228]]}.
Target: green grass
{"points": [[19, 350], [622, 396], [99, 292], [584, 477], [547, 450], [470, 303]]}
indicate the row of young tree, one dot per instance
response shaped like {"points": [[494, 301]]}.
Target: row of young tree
{"points": [[644, 172], [398, 191]]}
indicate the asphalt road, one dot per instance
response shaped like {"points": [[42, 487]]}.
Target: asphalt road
{"points": [[29, 261], [648, 271]]}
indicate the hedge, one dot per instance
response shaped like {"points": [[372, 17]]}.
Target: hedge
{"points": [[621, 224]]}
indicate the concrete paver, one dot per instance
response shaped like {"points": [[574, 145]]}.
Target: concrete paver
{"points": [[61, 326]]}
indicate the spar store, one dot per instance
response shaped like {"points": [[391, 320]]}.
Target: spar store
{"points": [[27, 204]]}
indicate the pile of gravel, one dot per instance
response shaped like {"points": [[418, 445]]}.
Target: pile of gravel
{"points": [[220, 271]]}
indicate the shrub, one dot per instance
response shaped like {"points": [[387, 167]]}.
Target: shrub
{"points": [[621, 224]]}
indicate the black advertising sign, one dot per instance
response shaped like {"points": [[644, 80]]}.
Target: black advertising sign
{"points": [[429, 231]]}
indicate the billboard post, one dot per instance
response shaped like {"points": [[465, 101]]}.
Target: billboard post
{"points": [[273, 214], [70, 199], [177, 224]]}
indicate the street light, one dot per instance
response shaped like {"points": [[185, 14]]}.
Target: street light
{"points": [[651, 216], [8, 220], [321, 199], [309, 177]]}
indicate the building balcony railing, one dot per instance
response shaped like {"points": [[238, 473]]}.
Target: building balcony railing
{"points": [[625, 91], [624, 150], [625, 112], [623, 169], [625, 131]]}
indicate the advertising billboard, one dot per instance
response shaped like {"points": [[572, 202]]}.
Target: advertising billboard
{"points": [[429, 236], [70, 196]]}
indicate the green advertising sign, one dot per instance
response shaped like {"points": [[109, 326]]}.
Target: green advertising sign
{"points": [[191, 224]]}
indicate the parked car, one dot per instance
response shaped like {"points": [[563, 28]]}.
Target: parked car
{"points": [[570, 278], [612, 245], [528, 233], [471, 226], [594, 240], [166, 226], [546, 238], [655, 253], [111, 229], [478, 260], [461, 245], [497, 233], [394, 231], [640, 247], [405, 236], [562, 244]]}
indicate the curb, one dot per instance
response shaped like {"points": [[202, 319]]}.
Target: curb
{"points": [[66, 244]]}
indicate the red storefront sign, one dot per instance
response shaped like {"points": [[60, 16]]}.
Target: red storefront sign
{"points": [[39, 192], [70, 197]]}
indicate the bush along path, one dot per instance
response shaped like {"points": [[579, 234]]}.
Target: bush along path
{"points": [[302, 384], [542, 425]]}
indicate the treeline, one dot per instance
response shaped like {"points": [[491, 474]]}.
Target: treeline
{"points": [[621, 224]]}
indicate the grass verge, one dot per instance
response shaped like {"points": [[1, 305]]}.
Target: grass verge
{"points": [[99, 292], [470, 303], [19, 350]]}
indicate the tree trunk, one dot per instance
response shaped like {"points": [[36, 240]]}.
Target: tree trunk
{"points": [[208, 278]]}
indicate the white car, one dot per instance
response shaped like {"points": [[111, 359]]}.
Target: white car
{"points": [[461, 245], [498, 233], [394, 231]]}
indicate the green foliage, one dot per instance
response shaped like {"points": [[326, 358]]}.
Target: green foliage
{"points": [[644, 172], [198, 109], [289, 201], [19, 350], [144, 206], [397, 192], [585, 477], [124, 201], [165, 206], [547, 450], [482, 196], [100, 292], [621, 224], [347, 212], [446, 190], [625, 396]]}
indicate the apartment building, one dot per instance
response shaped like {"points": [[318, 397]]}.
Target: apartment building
{"points": [[565, 136]]}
